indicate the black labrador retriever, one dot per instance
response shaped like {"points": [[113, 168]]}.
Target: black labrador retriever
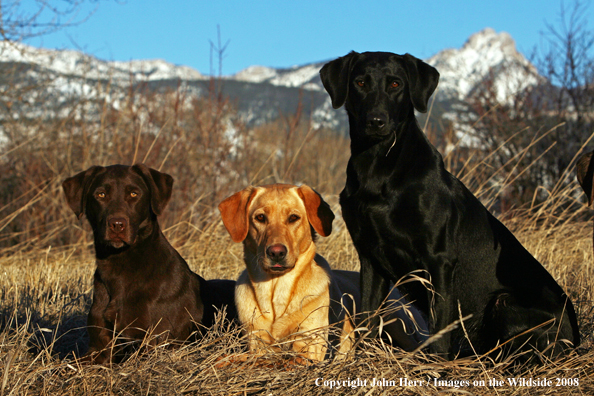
{"points": [[405, 212], [141, 282]]}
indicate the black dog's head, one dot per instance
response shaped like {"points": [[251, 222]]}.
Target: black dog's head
{"points": [[121, 202], [379, 90]]}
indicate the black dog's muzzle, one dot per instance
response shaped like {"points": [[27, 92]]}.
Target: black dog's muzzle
{"points": [[377, 123]]}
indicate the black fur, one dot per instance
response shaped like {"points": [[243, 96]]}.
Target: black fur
{"points": [[405, 212]]}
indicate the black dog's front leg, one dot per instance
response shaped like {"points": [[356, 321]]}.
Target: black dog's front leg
{"points": [[443, 309], [374, 289]]}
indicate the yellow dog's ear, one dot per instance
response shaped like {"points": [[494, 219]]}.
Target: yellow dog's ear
{"points": [[319, 214], [234, 211]]}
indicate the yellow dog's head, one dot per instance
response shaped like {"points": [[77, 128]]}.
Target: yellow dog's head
{"points": [[275, 223]]}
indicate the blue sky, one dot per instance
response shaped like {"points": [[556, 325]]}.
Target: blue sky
{"points": [[286, 33]]}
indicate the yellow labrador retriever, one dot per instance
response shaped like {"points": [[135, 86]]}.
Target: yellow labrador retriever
{"points": [[288, 294]]}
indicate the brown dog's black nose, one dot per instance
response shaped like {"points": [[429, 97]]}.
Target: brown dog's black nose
{"points": [[377, 120], [276, 252], [117, 224]]}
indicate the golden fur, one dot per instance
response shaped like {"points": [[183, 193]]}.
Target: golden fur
{"points": [[284, 295]]}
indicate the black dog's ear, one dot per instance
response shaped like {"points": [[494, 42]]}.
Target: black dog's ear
{"points": [[585, 175], [423, 80], [160, 186], [76, 189], [335, 77]]}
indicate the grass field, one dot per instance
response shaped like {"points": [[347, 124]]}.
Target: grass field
{"points": [[45, 296], [47, 263]]}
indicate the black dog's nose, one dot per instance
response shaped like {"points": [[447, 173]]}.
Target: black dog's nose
{"points": [[276, 252], [117, 224], [376, 120]]}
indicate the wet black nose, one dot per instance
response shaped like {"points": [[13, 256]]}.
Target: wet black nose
{"points": [[377, 120], [117, 224], [276, 252]]}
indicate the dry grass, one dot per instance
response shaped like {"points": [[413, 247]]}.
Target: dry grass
{"points": [[47, 263], [45, 298]]}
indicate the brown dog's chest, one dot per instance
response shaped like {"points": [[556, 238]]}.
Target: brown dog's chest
{"points": [[126, 304]]}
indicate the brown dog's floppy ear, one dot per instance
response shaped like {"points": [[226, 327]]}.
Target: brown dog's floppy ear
{"points": [[234, 211], [422, 79], [76, 189], [585, 175], [160, 186], [335, 77], [319, 214]]}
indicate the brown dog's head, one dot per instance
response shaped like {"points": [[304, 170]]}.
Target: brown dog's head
{"points": [[275, 223], [121, 202]]}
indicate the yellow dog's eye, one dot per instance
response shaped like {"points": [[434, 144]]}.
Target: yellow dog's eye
{"points": [[293, 218], [260, 218]]}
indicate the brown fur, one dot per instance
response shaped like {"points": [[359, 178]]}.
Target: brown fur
{"points": [[141, 282], [285, 295]]}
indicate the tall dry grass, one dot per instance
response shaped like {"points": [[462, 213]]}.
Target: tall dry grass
{"points": [[46, 262]]}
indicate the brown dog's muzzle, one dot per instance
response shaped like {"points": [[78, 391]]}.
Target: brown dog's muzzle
{"points": [[118, 232]]}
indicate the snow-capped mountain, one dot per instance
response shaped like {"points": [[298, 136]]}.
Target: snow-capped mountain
{"points": [[486, 55], [306, 77], [261, 93], [77, 64]]}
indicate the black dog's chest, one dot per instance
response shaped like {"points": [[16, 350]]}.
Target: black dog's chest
{"points": [[396, 219], [368, 214], [372, 203]]}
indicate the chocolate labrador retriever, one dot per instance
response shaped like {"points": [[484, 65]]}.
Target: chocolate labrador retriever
{"points": [[141, 282], [405, 212]]}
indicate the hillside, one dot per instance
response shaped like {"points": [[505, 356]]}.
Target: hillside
{"points": [[260, 93]]}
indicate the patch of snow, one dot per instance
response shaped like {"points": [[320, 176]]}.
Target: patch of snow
{"points": [[297, 76], [255, 74], [75, 63]]}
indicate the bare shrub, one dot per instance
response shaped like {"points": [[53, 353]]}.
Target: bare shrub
{"points": [[554, 117]]}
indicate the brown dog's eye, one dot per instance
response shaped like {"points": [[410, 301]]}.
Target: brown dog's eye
{"points": [[293, 218], [360, 83], [133, 194], [101, 194], [260, 218], [394, 84]]}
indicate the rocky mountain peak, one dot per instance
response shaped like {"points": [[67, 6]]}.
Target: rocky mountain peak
{"points": [[486, 54], [488, 39]]}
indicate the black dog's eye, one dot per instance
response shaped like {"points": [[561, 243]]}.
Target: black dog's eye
{"points": [[361, 83], [260, 218], [293, 218], [394, 84]]}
